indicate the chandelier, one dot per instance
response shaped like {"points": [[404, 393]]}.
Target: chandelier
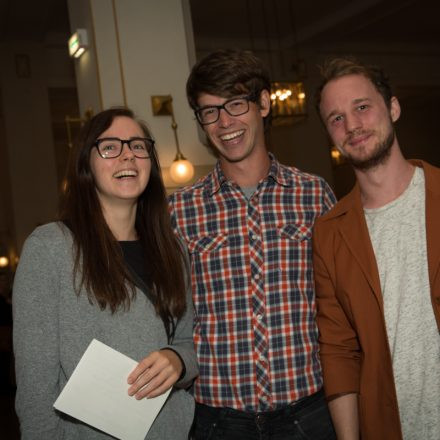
{"points": [[288, 97], [288, 101]]}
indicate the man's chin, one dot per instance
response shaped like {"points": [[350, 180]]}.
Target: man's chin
{"points": [[233, 158], [378, 157], [371, 162], [224, 155]]}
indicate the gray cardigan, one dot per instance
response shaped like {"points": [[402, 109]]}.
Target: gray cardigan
{"points": [[53, 327]]}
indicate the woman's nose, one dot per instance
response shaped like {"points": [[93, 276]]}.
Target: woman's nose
{"points": [[126, 153]]}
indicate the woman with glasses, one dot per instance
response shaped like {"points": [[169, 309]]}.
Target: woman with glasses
{"points": [[110, 269]]}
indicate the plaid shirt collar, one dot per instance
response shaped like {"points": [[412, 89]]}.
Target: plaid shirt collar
{"points": [[217, 178]]}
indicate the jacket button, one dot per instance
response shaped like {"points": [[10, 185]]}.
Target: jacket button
{"points": [[437, 299]]}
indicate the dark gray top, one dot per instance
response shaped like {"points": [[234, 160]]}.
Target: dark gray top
{"points": [[53, 327]]}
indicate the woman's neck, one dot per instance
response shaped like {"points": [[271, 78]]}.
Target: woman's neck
{"points": [[121, 221]]}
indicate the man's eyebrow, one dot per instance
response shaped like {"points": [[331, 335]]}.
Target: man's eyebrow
{"points": [[355, 102], [359, 100]]}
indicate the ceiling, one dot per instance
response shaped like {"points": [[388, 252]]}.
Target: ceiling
{"points": [[36, 21], [405, 22]]}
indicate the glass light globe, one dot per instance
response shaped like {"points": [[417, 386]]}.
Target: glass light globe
{"points": [[4, 261], [181, 171]]}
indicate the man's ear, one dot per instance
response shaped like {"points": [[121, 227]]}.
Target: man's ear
{"points": [[264, 103], [394, 109]]}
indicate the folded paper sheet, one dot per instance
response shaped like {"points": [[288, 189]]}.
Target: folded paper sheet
{"points": [[96, 394]]}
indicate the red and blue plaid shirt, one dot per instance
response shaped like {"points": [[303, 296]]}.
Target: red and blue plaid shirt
{"points": [[252, 278]]}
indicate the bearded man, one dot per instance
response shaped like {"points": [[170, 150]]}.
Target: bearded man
{"points": [[376, 261]]}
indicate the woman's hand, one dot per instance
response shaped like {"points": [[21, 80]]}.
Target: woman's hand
{"points": [[154, 374]]}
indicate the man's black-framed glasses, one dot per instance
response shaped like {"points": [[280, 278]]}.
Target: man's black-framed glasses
{"points": [[109, 148], [233, 107]]}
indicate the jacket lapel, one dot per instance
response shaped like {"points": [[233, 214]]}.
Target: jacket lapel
{"points": [[432, 184], [354, 230]]}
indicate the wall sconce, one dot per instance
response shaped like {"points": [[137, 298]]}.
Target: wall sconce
{"points": [[181, 170], [78, 43]]}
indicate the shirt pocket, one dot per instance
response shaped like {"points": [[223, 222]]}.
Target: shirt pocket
{"points": [[295, 231], [293, 275], [208, 256], [207, 243]]}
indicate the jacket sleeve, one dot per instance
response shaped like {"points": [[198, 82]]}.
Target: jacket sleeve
{"points": [[36, 342], [339, 345]]}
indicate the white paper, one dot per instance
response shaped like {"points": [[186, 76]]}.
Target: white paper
{"points": [[96, 394]]}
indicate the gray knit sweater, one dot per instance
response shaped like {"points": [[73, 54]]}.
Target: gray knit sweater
{"points": [[53, 327]]}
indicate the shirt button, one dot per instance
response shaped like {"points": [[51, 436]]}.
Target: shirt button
{"points": [[259, 317], [252, 236], [257, 276]]}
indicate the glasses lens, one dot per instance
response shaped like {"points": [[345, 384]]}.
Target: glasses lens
{"points": [[141, 147], [112, 147], [208, 115], [237, 107], [109, 148]]}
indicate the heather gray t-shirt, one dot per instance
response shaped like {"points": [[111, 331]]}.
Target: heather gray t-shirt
{"points": [[398, 235]]}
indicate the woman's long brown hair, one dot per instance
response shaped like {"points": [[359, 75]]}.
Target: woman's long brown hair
{"points": [[99, 263]]}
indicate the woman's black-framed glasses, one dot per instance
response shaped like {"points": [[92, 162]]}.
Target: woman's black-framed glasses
{"points": [[233, 107], [109, 148]]}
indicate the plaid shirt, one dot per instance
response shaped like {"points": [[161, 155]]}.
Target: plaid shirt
{"points": [[252, 278]]}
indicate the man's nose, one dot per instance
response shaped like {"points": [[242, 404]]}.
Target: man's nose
{"points": [[224, 118], [352, 122]]}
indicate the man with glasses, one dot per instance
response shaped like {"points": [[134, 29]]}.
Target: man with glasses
{"points": [[247, 226]]}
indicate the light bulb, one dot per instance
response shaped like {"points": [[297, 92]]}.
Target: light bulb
{"points": [[4, 261], [181, 171], [335, 153]]}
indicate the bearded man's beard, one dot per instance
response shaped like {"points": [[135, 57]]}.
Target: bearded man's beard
{"points": [[378, 156]]}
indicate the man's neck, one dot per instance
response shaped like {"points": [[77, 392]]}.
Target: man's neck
{"points": [[385, 182], [248, 172]]}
